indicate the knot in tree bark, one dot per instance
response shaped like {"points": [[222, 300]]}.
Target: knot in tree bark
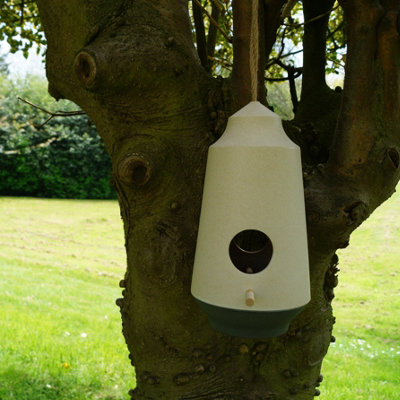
{"points": [[85, 68], [134, 169]]}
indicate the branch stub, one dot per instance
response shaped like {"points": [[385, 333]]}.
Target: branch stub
{"points": [[134, 169], [85, 68]]}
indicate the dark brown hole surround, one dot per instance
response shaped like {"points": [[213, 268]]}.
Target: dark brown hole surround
{"points": [[394, 157], [250, 251], [134, 169], [139, 174], [85, 68]]}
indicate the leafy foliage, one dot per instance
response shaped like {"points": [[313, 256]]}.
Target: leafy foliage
{"points": [[285, 58], [336, 42], [3, 65], [215, 18], [20, 25], [64, 159]]}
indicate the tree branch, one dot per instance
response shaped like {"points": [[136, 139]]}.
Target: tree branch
{"points": [[312, 19], [200, 32], [369, 116], [51, 113], [212, 33], [241, 79], [292, 74], [332, 33], [288, 8], [338, 63], [272, 21], [222, 61], [316, 15], [363, 166], [274, 60], [213, 21], [22, 12], [292, 86], [283, 79]]}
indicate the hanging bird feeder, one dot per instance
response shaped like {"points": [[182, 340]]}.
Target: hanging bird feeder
{"points": [[251, 270]]}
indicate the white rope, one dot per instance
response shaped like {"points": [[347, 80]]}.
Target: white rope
{"points": [[254, 44]]}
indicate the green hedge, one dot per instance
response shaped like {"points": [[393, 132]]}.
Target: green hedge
{"points": [[63, 159]]}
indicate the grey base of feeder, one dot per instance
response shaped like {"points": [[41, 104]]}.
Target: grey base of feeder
{"points": [[249, 324]]}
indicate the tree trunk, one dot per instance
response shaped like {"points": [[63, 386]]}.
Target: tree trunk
{"points": [[132, 66]]}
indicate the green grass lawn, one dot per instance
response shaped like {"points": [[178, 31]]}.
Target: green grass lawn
{"points": [[60, 330], [364, 362]]}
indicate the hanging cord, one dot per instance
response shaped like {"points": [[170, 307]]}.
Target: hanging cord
{"points": [[254, 43]]}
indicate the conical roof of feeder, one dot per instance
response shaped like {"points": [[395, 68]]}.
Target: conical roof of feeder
{"points": [[254, 125]]}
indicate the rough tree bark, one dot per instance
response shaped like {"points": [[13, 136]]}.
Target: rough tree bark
{"points": [[132, 66]]}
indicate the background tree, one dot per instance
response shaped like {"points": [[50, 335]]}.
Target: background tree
{"points": [[158, 101], [44, 156], [3, 65]]}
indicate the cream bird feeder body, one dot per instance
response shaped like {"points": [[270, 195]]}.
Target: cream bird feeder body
{"points": [[251, 270]]}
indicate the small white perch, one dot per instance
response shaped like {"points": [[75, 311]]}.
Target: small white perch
{"points": [[250, 298]]}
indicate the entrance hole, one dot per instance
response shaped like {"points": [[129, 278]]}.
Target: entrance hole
{"points": [[250, 251]]}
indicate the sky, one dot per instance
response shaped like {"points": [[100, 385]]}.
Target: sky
{"points": [[19, 65]]}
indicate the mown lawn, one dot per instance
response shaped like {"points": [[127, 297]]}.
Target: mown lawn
{"points": [[364, 362], [60, 330]]}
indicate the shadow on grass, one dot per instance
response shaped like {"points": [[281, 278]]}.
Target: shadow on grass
{"points": [[17, 384]]}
